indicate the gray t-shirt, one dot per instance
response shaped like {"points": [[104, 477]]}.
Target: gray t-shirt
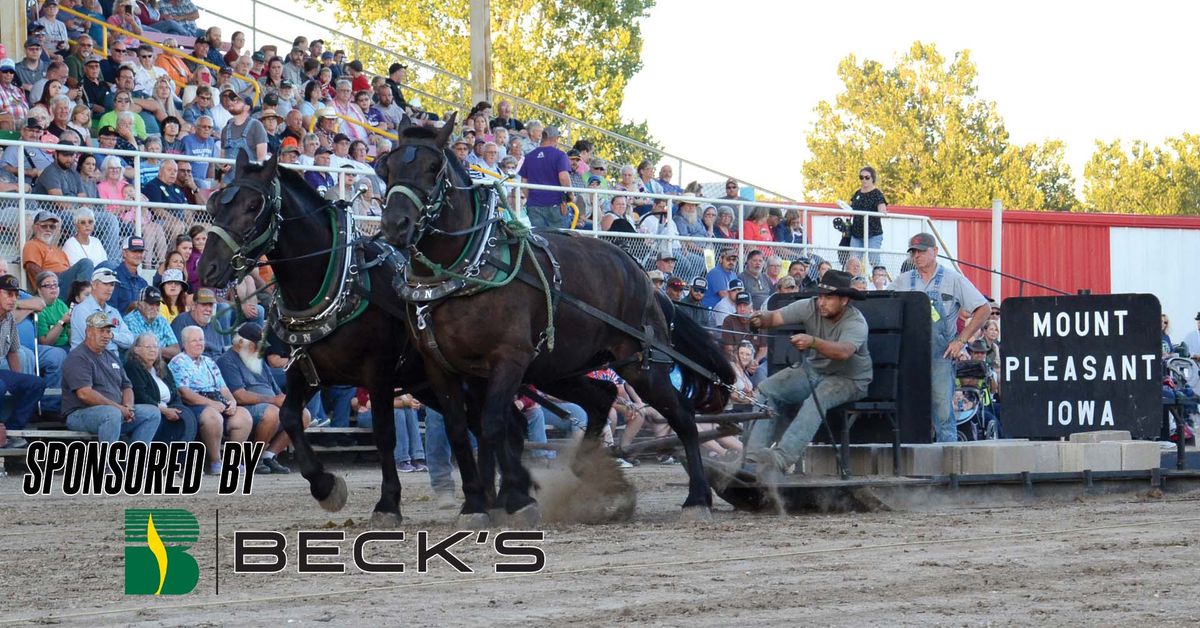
{"points": [[238, 376], [85, 368], [851, 328], [759, 287], [63, 179], [953, 295], [214, 343]]}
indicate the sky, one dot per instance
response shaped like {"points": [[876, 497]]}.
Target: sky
{"points": [[732, 86], [1078, 72]]}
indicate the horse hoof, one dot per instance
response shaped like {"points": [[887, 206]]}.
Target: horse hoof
{"points": [[337, 496], [626, 504], [526, 518], [385, 520], [695, 513], [497, 516], [474, 521]]}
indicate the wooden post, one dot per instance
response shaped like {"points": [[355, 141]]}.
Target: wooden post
{"points": [[12, 30], [481, 50]]}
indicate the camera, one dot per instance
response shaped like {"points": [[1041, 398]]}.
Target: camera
{"points": [[840, 224]]}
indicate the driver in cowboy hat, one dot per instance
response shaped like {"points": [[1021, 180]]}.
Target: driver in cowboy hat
{"points": [[835, 345]]}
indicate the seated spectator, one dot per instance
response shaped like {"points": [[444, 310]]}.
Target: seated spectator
{"points": [[164, 189], [880, 278], [199, 236], [725, 227], [409, 453], [693, 303], [123, 103], [822, 268], [754, 279], [774, 270], [129, 283], [81, 123], [82, 246], [143, 317], [745, 367], [12, 98], [41, 252], [200, 316], [249, 379], [719, 277], [737, 330], [97, 394], [202, 105], [26, 390], [799, 271], [728, 304], [758, 227], [154, 386], [104, 280], [54, 321], [787, 285], [853, 266], [174, 292], [173, 65], [48, 170], [790, 230], [203, 389], [322, 182]]}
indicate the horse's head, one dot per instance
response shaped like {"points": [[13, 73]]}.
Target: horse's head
{"points": [[417, 177], [245, 221]]}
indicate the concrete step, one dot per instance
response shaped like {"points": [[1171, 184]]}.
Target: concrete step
{"points": [[989, 457]]}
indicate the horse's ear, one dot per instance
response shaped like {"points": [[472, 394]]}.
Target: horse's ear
{"points": [[271, 167], [443, 136], [381, 165], [239, 165]]}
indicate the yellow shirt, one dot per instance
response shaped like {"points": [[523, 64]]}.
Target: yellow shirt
{"points": [[166, 313]]}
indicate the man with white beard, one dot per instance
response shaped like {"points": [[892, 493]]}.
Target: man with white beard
{"points": [[254, 389], [42, 253], [690, 258]]}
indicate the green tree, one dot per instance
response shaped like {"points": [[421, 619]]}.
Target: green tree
{"points": [[934, 141], [572, 56], [1145, 180]]}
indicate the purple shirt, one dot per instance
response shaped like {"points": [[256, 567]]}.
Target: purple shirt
{"points": [[541, 167]]}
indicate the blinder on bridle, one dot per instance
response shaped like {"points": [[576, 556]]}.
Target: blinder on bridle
{"points": [[246, 254], [434, 198]]}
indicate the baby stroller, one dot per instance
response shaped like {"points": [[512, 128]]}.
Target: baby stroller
{"points": [[974, 406], [1179, 399]]}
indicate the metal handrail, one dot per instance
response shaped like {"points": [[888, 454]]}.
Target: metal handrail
{"points": [[462, 82], [105, 26]]}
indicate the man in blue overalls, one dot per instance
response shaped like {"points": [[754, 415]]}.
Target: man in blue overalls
{"points": [[949, 294]]}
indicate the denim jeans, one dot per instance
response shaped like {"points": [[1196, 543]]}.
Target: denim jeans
{"points": [[873, 242], [337, 404], [184, 430], [50, 359], [107, 423], [536, 432], [792, 386], [945, 427], [408, 433], [576, 420], [437, 453], [26, 391], [545, 217]]}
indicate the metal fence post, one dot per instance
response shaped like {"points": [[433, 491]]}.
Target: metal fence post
{"points": [[137, 195], [22, 235]]}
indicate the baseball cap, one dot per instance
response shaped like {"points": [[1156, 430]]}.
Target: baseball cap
{"points": [[206, 295], [804, 259], [742, 297], [250, 331], [700, 284], [289, 148], [100, 320], [134, 243], [922, 242], [34, 123], [572, 153], [92, 59], [7, 65], [676, 283], [326, 55], [341, 137], [104, 275], [258, 56], [459, 140], [324, 151], [668, 256], [43, 216], [33, 42], [656, 275], [326, 112], [285, 84], [150, 295], [9, 283], [736, 284]]}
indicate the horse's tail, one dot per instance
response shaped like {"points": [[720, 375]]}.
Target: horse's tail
{"points": [[693, 341]]}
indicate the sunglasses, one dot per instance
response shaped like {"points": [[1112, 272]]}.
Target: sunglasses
{"points": [[48, 285], [85, 222], [864, 177], [730, 258]]}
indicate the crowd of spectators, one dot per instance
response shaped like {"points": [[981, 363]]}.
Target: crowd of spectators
{"points": [[184, 374]]}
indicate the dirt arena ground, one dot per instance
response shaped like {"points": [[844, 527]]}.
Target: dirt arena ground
{"points": [[1128, 560]]}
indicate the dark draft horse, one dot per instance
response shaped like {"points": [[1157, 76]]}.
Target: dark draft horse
{"points": [[488, 339], [371, 350]]}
